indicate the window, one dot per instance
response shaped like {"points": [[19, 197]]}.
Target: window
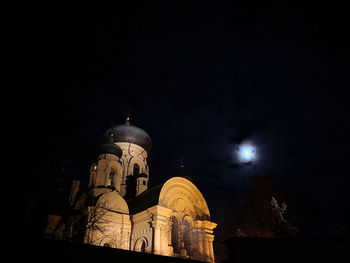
{"points": [[111, 179], [144, 182], [136, 169]]}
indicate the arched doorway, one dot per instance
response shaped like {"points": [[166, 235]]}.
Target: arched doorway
{"points": [[141, 244]]}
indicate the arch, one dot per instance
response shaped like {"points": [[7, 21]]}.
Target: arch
{"points": [[141, 244], [183, 196], [114, 172], [191, 201], [106, 242], [111, 179], [139, 162], [116, 167]]}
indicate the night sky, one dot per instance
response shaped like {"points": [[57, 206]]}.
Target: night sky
{"points": [[200, 81]]}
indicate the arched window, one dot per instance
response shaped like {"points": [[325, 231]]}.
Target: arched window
{"points": [[136, 169], [111, 179], [175, 235]]}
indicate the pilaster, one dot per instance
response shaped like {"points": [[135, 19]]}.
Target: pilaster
{"points": [[161, 225], [205, 243]]}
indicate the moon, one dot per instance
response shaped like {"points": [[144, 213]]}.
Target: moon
{"points": [[246, 152]]}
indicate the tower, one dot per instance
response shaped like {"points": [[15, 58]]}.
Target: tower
{"points": [[107, 172], [135, 145]]}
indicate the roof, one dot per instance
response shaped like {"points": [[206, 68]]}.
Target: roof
{"points": [[110, 200], [178, 194], [129, 133], [110, 148], [145, 200]]}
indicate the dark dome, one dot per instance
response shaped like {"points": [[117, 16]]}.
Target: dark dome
{"points": [[129, 133], [110, 148]]}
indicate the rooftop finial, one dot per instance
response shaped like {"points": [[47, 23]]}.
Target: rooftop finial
{"points": [[128, 113], [181, 170], [181, 166], [112, 132]]}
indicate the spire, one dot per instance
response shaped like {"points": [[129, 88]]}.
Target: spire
{"points": [[128, 113], [127, 120], [112, 133], [181, 169]]}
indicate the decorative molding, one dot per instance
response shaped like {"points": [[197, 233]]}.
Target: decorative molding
{"points": [[141, 232]]}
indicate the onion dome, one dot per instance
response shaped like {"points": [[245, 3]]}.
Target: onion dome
{"points": [[110, 148], [129, 133]]}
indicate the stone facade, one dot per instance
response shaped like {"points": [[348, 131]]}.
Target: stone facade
{"points": [[134, 157]]}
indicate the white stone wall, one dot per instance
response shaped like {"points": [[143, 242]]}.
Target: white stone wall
{"points": [[141, 232], [132, 154], [153, 226], [112, 229], [100, 171]]}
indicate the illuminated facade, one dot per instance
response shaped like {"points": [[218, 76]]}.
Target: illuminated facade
{"points": [[170, 219]]}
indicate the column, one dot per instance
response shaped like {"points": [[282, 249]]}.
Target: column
{"points": [[169, 251], [206, 239], [206, 252], [200, 244], [156, 237], [118, 181], [211, 250], [160, 224]]}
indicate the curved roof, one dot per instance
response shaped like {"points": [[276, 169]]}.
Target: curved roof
{"points": [[129, 133], [113, 201], [178, 194]]}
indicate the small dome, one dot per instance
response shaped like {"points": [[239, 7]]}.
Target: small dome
{"points": [[113, 201], [110, 148], [129, 133]]}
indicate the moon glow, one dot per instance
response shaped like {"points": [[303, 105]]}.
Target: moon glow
{"points": [[246, 153]]}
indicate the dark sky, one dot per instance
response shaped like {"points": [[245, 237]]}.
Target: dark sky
{"points": [[200, 81]]}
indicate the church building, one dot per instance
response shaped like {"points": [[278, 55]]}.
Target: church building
{"points": [[118, 210]]}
